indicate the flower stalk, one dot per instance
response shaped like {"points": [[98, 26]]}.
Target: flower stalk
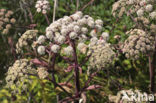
{"points": [[76, 69], [46, 17], [152, 68], [152, 74]]}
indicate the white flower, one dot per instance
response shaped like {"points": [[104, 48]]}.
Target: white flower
{"points": [[79, 13], [82, 21], [48, 29], [115, 6], [105, 36], [93, 41], [39, 2], [66, 20], [84, 37], [75, 17], [99, 22], [45, 7], [68, 50], [38, 10], [140, 12], [42, 6], [101, 42], [53, 28], [153, 15], [64, 31], [57, 35], [37, 5], [45, 2], [76, 29], [41, 39], [57, 23], [61, 39], [149, 7], [55, 48], [49, 35], [41, 50], [90, 19], [73, 35], [42, 72], [84, 30], [143, 2], [70, 27], [98, 28], [93, 33], [44, 11], [91, 23], [82, 47], [130, 2]]}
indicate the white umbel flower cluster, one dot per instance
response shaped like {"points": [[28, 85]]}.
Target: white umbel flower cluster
{"points": [[140, 7], [75, 27], [140, 12], [41, 50], [139, 42], [55, 48], [105, 36], [42, 6], [42, 72], [82, 47], [41, 39], [101, 55], [19, 72], [68, 50], [73, 35], [149, 8], [24, 41], [6, 20], [153, 15]]}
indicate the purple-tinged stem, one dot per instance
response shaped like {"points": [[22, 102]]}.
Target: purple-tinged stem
{"points": [[76, 70], [152, 67], [46, 17], [152, 74], [52, 68]]}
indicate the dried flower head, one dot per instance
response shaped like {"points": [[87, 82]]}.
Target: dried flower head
{"points": [[139, 42], [42, 72], [20, 71], [141, 11], [6, 20], [26, 39], [102, 55]]}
